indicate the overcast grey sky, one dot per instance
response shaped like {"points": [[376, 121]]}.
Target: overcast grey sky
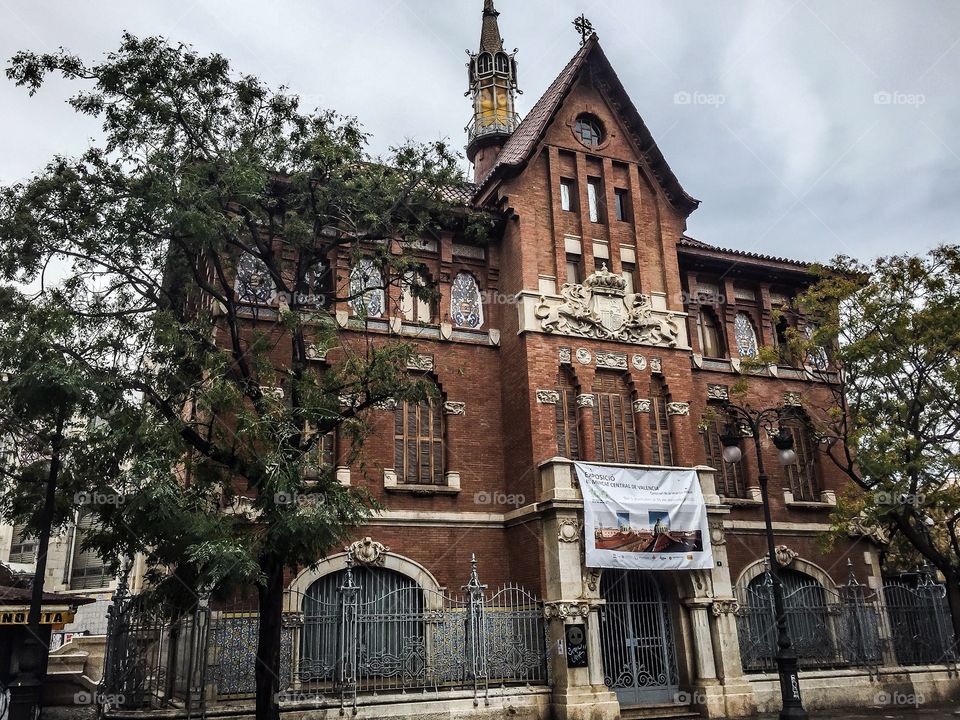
{"points": [[806, 127]]}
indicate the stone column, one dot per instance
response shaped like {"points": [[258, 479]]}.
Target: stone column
{"points": [[578, 693]]}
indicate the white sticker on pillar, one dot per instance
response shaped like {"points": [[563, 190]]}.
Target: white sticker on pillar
{"points": [[638, 518]]}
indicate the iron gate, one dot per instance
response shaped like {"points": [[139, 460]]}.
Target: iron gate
{"points": [[636, 634]]}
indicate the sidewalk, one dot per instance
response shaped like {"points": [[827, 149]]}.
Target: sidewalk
{"points": [[889, 712]]}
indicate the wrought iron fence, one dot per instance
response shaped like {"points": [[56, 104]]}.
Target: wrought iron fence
{"points": [[852, 626], [360, 631]]}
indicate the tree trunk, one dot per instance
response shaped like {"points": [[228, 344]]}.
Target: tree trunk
{"points": [[267, 672]]}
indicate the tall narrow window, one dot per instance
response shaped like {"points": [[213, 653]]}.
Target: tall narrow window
{"points": [[784, 355], [711, 341], [594, 194], [730, 478], [568, 436], [253, 283], [574, 276], [87, 569], [615, 436], [412, 307], [804, 483], [23, 548], [466, 305], [366, 289], [566, 195], [418, 442], [661, 443], [745, 335], [621, 198]]}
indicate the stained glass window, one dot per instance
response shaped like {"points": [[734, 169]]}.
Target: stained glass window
{"points": [[466, 307], [253, 283], [745, 335], [366, 289]]}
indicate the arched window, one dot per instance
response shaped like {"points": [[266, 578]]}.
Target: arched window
{"points": [[253, 283], [413, 308], [661, 443], [366, 289], [466, 305], [390, 607], [568, 436], [745, 335], [502, 63], [708, 330], [484, 64], [615, 436], [730, 478], [808, 621], [87, 569], [418, 442], [804, 483], [817, 357]]}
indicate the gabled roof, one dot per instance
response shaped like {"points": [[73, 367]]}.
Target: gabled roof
{"points": [[522, 144], [698, 248]]}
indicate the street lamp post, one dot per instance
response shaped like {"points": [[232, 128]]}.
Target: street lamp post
{"points": [[769, 420]]}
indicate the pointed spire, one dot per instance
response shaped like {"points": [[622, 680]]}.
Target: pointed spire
{"points": [[490, 40]]}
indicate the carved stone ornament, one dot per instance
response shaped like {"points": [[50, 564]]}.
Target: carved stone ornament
{"points": [[718, 392], [367, 552], [568, 531], [639, 362], [315, 352], [678, 408], [725, 606], [454, 408], [564, 356], [388, 404], [601, 309], [785, 555], [548, 397], [586, 400], [421, 362], [612, 360], [717, 536], [858, 528], [583, 356], [592, 579], [792, 399], [564, 610], [656, 366], [291, 619], [641, 406]]}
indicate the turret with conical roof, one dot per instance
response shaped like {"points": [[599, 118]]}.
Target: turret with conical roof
{"points": [[493, 86]]}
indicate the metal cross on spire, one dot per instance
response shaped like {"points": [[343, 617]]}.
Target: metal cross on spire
{"points": [[584, 27]]}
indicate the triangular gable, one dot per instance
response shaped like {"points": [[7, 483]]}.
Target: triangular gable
{"points": [[522, 144]]}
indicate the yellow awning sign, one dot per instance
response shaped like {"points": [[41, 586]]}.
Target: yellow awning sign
{"points": [[47, 617]]}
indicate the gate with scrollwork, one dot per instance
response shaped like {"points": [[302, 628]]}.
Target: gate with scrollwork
{"points": [[636, 634]]}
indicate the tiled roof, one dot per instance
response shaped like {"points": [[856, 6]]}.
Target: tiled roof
{"points": [[521, 145], [686, 241], [490, 40]]}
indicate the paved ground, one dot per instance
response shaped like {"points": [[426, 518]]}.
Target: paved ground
{"points": [[882, 713]]}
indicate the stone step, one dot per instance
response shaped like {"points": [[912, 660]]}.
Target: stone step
{"points": [[666, 711]]}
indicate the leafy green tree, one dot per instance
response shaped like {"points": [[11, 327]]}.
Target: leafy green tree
{"points": [[197, 252], [893, 423]]}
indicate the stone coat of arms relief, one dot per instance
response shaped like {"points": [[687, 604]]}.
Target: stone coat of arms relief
{"points": [[601, 309]]}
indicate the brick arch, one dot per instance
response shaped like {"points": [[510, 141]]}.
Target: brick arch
{"points": [[799, 564]]}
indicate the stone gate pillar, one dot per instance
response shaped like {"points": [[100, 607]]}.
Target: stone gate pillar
{"points": [[571, 597]]}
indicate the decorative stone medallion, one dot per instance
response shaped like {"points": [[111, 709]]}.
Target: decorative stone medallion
{"points": [[639, 362], [785, 555], [564, 610], [641, 405], [568, 530], [725, 606], [792, 399], [367, 552], [717, 536], [717, 392], [454, 408], [586, 400], [548, 397], [583, 356], [315, 352], [678, 408]]}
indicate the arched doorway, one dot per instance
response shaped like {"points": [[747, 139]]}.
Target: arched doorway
{"points": [[637, 638]]}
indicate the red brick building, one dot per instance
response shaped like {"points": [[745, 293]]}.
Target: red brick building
{"points": [[591, 328]]}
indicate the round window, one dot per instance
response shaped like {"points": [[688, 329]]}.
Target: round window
{"points": [[588, 130]]}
